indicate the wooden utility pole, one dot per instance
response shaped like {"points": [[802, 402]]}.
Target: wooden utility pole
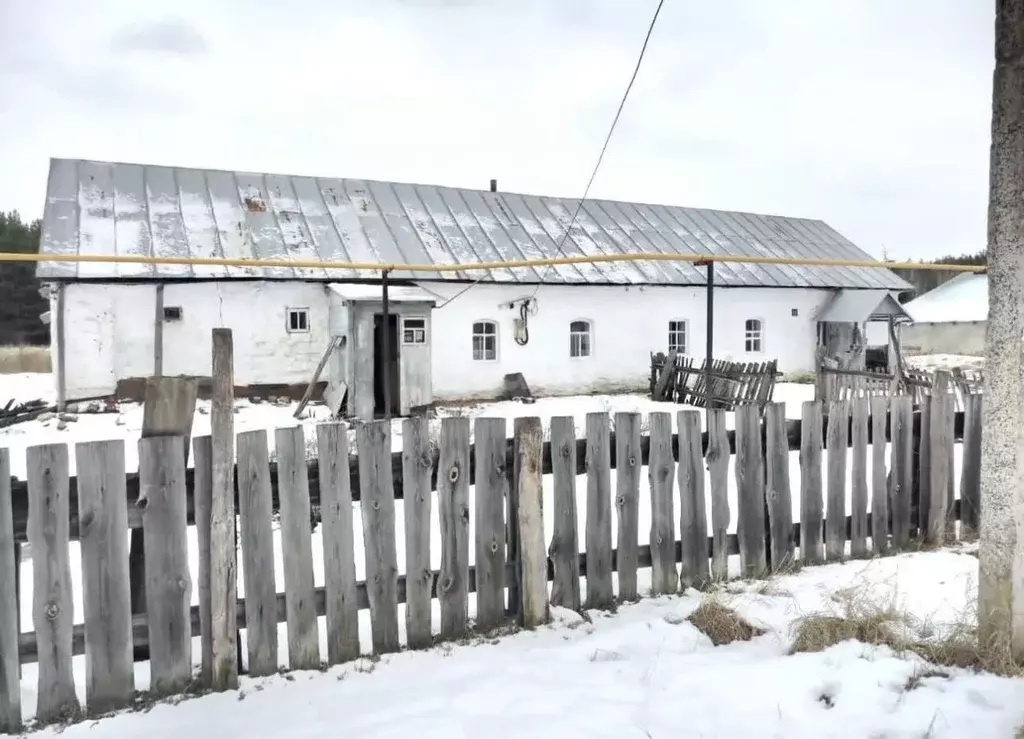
{"points": [[1001, 587]]}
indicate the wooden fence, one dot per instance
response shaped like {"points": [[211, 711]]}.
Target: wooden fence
{"points": [[678, 379], [513, 563], [845, 384]]}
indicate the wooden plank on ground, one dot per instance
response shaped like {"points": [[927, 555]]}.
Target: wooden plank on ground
{"points": [[970, 470], [599, 514], [661, 473], [811, 498], [565, 545], [453, 505], [106, 591], [750, 489], [778, 493], [201, 492], [718, 454], [859, 480], [835, 511], [257, 543], [297, 548], [373, 448], [417, 466], [10, 684], [627, 501], [489, 435], [530, 478], [879, 485], [941, 472], [168, 586], [693, 517], [901, 478]]}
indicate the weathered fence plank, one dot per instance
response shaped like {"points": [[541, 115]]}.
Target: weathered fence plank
{"points": [[106, 590], [718, 473], [693, 518], [417, 464], [565, 545], [257, 543], [940, 437], [859, 480], [599, 514], [811, 501], [901, 476], [661, 474], [534, 605], [453, 505], [168, 584], [750, 491], [924, 468], [202, 447], [835, 511], [10, 683], [970, 470], [778, 493], [489, 434], [373, 445], [627, 501], [297, 549], [879, 484]]}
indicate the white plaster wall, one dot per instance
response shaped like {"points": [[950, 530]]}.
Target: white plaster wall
{"points": [[944, 338], [628, 323]]}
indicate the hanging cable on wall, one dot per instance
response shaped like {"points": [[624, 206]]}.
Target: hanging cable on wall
{"points": [[527, 307]]}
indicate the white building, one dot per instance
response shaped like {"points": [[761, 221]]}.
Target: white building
{"points": [[949, 319], [568, 329]]}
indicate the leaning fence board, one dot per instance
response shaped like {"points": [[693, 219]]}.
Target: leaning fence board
{"points": [[859, 480], [202, 491], [599, 514], [879, 486], [417, 464], [565, 546], [778, 493], [373, 445], [168, 586], [693, 518], [750, 491], [901, 476], [718, 474], [529, 477], [661, 475], [106, 592], [627, 501], [489, 435], [970, 469], [811, 501], [835, 511], [297, 549], [940, 436], [453, 505], [10, 684], [255, 508]]}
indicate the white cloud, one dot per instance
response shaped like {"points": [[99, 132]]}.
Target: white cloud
{"points": [[869, 114]]}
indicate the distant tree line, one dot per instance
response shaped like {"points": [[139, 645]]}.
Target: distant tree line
{"points": [[20, 301]]}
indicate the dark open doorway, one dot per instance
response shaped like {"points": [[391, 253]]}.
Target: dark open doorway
{"points": [[378, 365]]}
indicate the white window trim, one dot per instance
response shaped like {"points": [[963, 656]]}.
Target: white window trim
{"points": [[760, 335], [424, 330], [474, 334], [288, 320], [686, 333], [590, 336]]}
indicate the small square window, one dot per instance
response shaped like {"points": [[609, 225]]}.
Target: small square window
{"points": [[298, 320], [414, 330], [172, 313], [794, 313]]}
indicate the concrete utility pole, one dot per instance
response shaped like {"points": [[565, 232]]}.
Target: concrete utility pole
{"points": [[1001, 582]]}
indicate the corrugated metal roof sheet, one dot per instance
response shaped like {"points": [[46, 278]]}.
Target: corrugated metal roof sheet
{"points": [[362, 292], [133, 209], [857, 306], [961, 299]]}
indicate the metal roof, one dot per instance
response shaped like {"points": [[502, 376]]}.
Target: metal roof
{"points": [[133, 209], [367, 293], [959, 300], [857, 306]]}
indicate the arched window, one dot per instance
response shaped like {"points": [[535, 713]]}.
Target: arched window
{"points": [[677, 336], [485, 341], [753, 335], [579, 339]]}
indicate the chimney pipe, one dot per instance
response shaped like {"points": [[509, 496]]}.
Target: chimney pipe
{"points": [[494, 186]]}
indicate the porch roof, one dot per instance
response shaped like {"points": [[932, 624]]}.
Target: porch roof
{"points": [[858, 306], [369, 293]]}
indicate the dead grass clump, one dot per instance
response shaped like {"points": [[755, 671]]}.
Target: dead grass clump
{"points": [[18, 359], [819, 632], [721, 624]]}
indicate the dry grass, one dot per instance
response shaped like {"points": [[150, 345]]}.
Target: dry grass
{"points": [[18, 359], [721, 624]]}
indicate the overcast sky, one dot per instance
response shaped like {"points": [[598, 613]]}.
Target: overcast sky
{"points": [[872, 115]]}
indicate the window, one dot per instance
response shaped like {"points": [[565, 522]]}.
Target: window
{"points": [[579, 339], [414, 330], [752, 335], [795, 312], [485, 341], [172, 313], [677, 337], [298, 320]]}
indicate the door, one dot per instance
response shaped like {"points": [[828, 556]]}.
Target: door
{"points": [[390, 370]]}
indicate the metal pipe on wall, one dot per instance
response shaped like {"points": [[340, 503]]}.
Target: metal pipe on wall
{"points": [[710, 339], [385, 335]]}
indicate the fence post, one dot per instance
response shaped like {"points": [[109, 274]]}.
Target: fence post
{"points": [[530, 515], [10, 683]]}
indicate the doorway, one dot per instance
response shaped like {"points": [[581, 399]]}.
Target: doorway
{"points": [[379, 369]]}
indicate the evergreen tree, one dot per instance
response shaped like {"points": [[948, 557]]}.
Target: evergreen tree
{"points": [[20, 301]]}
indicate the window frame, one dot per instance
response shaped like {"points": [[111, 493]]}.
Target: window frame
{"points": [[686, 334], [574, 334], [484, 335], [297, 311], [422, 328], [755, 334]]}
